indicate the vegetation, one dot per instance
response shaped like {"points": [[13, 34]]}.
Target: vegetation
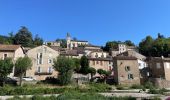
{"points": [[24, 37], [65, 67], [84, 65], [92, 71], [21, 65], [114, 44], [104, 73], [40, 89], [37, 40], [155, 47], [74, 96], [76, 64], [6, 67], [63, 42]]}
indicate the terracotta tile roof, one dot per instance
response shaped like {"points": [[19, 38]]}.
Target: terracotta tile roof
{"points": [[9, 47], [70, 53], [100, 59], [124, 58]]}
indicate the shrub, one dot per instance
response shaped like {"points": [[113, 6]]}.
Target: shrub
{"points": [[136, 86], [122, 87], [149, 85]]}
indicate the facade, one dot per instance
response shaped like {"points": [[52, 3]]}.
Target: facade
{"points": [[11, 51], [121, 48], [159, 67], [74, 43], [42, 58], [52, 43], [100, 60], [126, 70], [141, 58]]}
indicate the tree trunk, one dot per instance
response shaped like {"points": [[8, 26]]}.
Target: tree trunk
{"points": [[20, 81]]}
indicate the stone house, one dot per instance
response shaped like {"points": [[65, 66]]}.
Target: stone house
{"points": [[100, 60], [42, 58], [159, 67], [121, 48], [11, 51], [126, 70]]}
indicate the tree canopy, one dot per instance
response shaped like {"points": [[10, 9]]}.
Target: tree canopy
{"points": [[24, 37], [65, 67], [155, 47], [22, 64], [114, 44], [6, 67]]}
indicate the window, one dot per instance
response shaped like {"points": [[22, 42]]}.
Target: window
{"points": [[39, 69], [5, 56], [130, 76], [96, 55], [101, 63], [127, 68], [139, 64], [93, 62], [158, 65], [50, 70], [50, 61], [39, 58], [97, 62]]}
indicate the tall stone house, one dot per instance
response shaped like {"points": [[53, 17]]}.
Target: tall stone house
{"points": [[43, 59], [159, 67], [11, 51], [126, 70]]}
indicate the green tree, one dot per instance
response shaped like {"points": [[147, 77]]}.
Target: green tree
{"points": [[24, 37], [37, 40], [6, 67], [84, 65], [22, 64], [63, 42], [92, 71], [145, 46], [65, 67], [104, 73], [77, 64], [111, 45], [129, 43]]}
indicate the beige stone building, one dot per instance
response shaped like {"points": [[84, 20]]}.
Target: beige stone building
{"points": [[74, 43], [52, 43], [126, 70], [100, 60], [11, 51], [121, 48], [42, 58], [159, 67]]}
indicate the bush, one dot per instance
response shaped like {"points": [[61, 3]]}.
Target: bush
{"points": [[158, 91], [149, 85], [122, 87], [136, 86]]}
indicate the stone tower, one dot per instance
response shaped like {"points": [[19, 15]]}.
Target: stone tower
{"points": [[68, 39]]}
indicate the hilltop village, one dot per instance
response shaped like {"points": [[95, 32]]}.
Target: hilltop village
{"points": [[126, 64]]}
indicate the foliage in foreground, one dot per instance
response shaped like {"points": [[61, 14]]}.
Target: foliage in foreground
{"points": [[40, 89], [74, 96]]}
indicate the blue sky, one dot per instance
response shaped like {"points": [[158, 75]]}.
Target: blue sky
{"points": [[97, 21]]}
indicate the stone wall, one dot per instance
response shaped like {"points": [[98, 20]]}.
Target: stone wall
{"points": [[161, 83]]}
